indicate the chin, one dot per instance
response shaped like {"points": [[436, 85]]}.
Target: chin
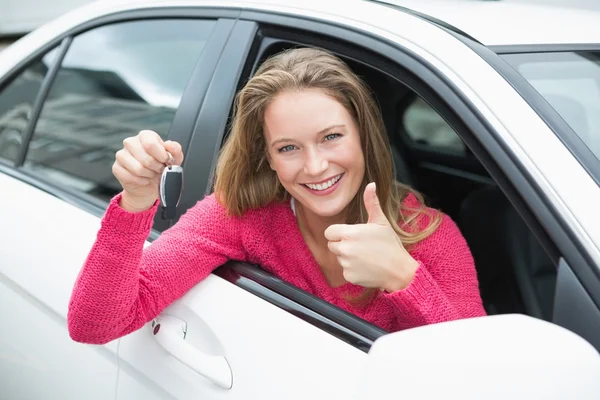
{"points": [[327, 210]]}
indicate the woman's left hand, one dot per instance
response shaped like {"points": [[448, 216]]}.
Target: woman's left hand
{"points": [[372, 254]]}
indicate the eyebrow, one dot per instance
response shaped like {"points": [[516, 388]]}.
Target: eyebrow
{"points": [[318, 133]]}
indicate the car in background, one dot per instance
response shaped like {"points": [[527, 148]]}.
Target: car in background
{"points": [[492, 111]]}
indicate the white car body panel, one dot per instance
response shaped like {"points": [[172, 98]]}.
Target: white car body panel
{"points": [[503, 23], [35, 285], [268, 360], [460, 347]]}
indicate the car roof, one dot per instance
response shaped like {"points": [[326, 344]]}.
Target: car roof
{"points": [[489, 22], [507, 23]]}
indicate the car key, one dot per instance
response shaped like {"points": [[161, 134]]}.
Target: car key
{"points": [[170, 188]]}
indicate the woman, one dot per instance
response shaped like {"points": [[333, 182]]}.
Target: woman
{"points": [[305, 188]]}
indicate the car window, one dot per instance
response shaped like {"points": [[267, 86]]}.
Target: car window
{"points": [[425, 126], [113, 82], [570, 82], [16, 104]]}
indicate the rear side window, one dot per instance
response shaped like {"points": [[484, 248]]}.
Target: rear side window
{"points": [[113, 82], [426, 127], [16, 104]]}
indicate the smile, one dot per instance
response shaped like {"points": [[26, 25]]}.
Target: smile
{"points": [[324, 185]]}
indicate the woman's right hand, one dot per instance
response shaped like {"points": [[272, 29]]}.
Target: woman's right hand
{"points": [[139, 165]]}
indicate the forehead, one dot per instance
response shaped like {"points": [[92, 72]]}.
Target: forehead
{"points": [[303, 112]]}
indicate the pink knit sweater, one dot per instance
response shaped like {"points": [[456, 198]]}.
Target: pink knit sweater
{"points": [[122, 286]]}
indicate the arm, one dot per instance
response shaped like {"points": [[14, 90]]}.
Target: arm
{"points": [[444, 286], [122, 286]]}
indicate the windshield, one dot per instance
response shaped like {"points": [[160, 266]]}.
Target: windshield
{"points": [[570, 82]]}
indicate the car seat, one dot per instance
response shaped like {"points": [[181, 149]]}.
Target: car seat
{"points": [[506, 254]]}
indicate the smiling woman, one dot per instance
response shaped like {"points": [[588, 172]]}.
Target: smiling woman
{"points": [[322, 168], [304, 188]]}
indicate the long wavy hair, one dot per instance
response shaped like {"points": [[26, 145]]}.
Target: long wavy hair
{"points": [[243, 178]]}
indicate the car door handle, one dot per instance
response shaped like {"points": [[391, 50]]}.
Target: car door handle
{"points": [[170, 333]]}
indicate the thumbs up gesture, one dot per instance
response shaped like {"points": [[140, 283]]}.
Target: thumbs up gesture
{"points": [[372, 254]]}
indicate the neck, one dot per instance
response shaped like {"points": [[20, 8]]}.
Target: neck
{"points": [[315, 225]]}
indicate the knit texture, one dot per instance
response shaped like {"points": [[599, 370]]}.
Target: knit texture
{"points": [[121, 285]]}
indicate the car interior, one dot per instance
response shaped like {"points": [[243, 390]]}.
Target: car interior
{"points": [[515, 273]]}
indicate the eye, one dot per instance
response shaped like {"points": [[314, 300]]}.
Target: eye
{"points": [[286, 149], [331, 136]]}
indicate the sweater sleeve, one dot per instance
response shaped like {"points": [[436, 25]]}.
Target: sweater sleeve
{"points": [[444, 286], [123, 285]]}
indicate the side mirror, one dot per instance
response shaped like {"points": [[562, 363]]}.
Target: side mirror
{"points": [[495, 357]]}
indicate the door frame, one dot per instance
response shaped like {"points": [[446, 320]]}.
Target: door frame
{"points": [[471, 124]]}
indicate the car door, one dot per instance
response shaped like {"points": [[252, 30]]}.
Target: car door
{"points": [[62, 118]]}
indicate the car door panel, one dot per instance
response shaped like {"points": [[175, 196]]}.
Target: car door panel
{"points": [[39, 280], [37, 356], [269, 350]]}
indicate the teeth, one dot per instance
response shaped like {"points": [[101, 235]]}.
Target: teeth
{"points": [[326, 185]]}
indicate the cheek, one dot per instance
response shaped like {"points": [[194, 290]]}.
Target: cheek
{"points": [[286, 169], [354, 157]]}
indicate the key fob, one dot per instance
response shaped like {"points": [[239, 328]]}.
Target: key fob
{"points": [[170, 188]]}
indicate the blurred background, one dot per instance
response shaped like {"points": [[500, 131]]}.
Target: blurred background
{"points": [[17, 17]]}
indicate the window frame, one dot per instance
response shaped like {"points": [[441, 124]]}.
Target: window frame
{"points": [[504, 168]]}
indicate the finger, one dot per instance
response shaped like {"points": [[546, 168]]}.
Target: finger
{"points": [[339, 232], [132, 165], [175, 149], [136, 149], [348, 272], [154, 145], [127, 178], [373, 207], [335, 247]]}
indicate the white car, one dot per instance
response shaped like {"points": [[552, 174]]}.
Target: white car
{"points": [[493, 111]]}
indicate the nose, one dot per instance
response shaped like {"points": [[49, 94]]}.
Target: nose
{"points": [[315, 164]]}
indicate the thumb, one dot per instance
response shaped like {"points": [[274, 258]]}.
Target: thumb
{"points": [[175, 149], [373, 207]]}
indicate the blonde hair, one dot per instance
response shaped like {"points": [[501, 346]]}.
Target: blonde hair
{"points": [[243, 178]]}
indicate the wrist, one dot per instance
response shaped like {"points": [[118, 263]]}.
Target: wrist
{"points": [[132, 204], [403, 276]]}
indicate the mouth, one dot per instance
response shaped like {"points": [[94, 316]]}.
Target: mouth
{"points": [[324, 186]]}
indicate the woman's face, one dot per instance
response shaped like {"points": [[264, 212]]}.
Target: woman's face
{"points": [[314, 147]]}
